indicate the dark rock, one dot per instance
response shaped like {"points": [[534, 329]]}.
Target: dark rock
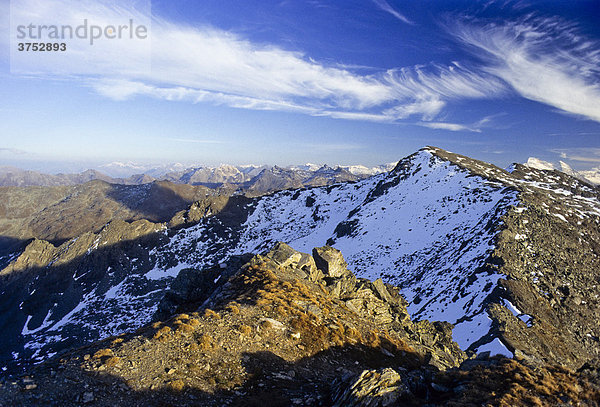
{"points": [[439, 388], [87, 397], [330, 261], [284, 255], [381, 290], [192, 287], [373, 388]]}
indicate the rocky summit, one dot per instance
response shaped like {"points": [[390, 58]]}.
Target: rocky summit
{"points": [[287, 328], [460, 282]]}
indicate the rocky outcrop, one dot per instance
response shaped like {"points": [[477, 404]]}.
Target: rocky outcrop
{"points": [[481, 381], [275, 325], [373, 388], [277, 331], [370, 301], [546, 305], [231, 208], [508, 259]]}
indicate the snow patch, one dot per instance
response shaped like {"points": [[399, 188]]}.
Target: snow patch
{"points": [[495, 347], [158, 274], [469, 331], [511, 307]]}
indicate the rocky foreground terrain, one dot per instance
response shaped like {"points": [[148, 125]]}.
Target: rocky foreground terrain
{"points": [[287, 328], [506, 262]]}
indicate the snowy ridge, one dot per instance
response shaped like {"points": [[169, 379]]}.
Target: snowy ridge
{"points": [[427, 233], [424, 227], [427, 227], [592, 175]]}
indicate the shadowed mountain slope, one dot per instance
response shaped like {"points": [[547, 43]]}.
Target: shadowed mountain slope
{"points": [[510, 259], [287, 328]]}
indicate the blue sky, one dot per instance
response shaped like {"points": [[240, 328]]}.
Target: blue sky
{"points": [[288, 82]]}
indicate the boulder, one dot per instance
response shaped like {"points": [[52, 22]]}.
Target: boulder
{"points": [[330, 261], [382, 387], [284, 255]]}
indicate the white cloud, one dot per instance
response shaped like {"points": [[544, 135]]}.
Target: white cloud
{"points": [[106, 57], [12, 151], [385, 6], [245, 75], [588, 155], [448, 126], [545, 60], [475, 127], [209, 65]]}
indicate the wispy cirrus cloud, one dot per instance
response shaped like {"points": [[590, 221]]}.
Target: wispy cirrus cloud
{"points": [[447, 126], [209, 65], [540, 59], [12, 151], [543, 59], [472, 127], [385, 6], [245, 75], [587, 155]]}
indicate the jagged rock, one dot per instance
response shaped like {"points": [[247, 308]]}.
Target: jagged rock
{"points": [[373, 388], [330, 261], [342, 286], [284, 255], [87, 397], [307, 263], [317, 351], [381, 290], [192, 287], [485, 237]]}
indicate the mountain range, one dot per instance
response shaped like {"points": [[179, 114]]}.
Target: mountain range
{"points": [[506, 261], [245, 177]]}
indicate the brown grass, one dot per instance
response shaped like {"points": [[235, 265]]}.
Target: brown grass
{"points": [[103, 353], [176, 385], [193, 322], [513, 383], [233, 308], [205, 343], [266, 324], [208, 313], [162, 332], [373, 339], [112, 361], [183, 329]]}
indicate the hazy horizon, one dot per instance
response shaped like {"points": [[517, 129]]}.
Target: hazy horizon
{"points": [[285, 83]]}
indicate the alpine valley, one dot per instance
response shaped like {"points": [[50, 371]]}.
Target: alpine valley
{"points": [[443, 281]]}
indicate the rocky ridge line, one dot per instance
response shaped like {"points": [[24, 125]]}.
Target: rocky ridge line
{"points": [[286, 329]]}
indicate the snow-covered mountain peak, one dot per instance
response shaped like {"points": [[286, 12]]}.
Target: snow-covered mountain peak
{"points": [[533, 162], [442, 227]]}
